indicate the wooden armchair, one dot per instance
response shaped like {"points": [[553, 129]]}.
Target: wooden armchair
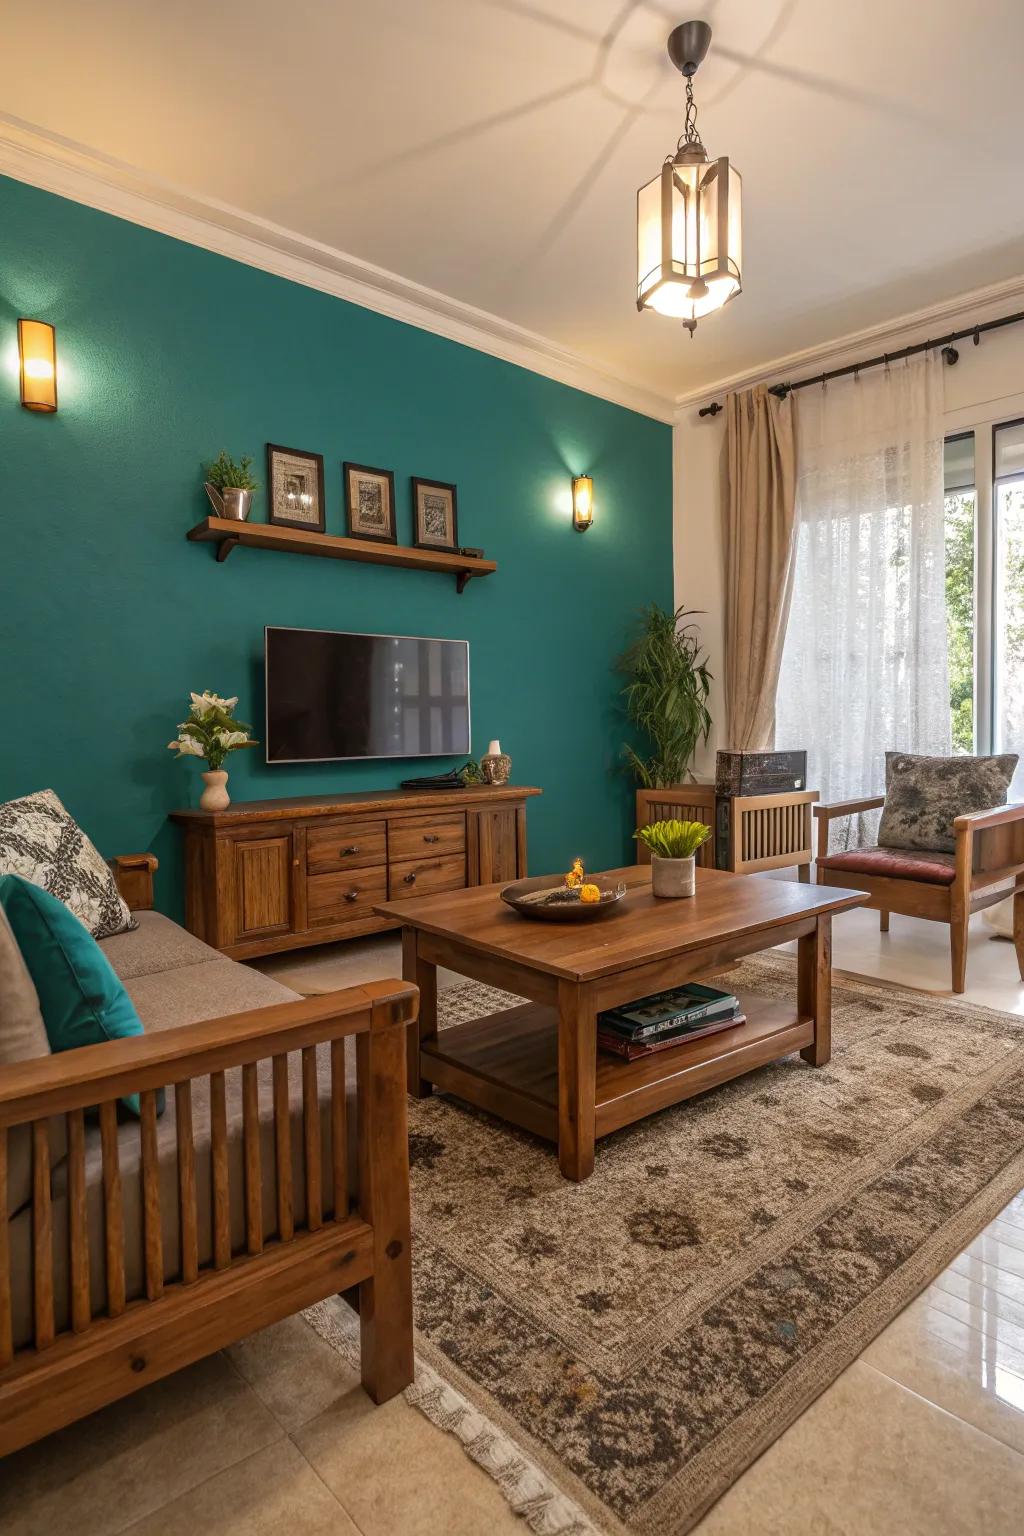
{"points": [[987, 866], [75, 1333]]}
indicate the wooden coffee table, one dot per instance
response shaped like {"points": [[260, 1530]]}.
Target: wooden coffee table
{"points": [[538, 1065]]}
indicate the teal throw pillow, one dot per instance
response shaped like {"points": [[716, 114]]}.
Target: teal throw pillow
{"points": [[81, 997]]}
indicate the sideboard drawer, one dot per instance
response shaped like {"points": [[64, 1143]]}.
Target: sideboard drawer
{"points": [[412, 837], [344, 896], [345, 845], [418, 876]]}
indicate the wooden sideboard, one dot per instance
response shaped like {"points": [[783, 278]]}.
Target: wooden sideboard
{"points": [[269, 875]]}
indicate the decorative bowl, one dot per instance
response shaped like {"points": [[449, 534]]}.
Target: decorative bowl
{"points": [[527, 897]]}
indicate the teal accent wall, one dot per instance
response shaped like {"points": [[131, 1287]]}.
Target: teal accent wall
{"points": [[108, 617]]}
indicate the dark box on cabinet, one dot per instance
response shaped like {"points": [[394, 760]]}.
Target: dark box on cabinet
{"points": [[759, 773]]}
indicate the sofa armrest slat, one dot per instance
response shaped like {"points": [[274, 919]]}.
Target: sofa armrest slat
{"points": [[186, 1149], [219, 1157], [113, 1209]]}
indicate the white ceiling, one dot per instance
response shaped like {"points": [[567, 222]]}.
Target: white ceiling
{"points": [[491, 149]]}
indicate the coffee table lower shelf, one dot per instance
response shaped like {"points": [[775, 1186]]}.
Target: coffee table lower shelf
{"points": [[507, 1063]]}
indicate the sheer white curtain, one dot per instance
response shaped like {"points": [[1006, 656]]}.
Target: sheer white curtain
{"points": [[864, 666]]}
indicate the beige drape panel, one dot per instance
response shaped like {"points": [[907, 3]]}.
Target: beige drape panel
{"points": [[759, 542]]}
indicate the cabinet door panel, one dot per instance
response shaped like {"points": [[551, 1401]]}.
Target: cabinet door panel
{"points": [[497, 845], [263, 869]]}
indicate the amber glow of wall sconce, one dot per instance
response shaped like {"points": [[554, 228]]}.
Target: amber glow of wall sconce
{"points": [[582, 502], [37, 357]]}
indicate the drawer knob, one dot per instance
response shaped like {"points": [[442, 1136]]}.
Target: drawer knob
{"points": [[352, 848], [409, 879], [351, 895], [431, 837]]}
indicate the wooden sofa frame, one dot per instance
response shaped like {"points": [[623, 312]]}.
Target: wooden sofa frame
{"points": [[989, 854], [64, 1374]]}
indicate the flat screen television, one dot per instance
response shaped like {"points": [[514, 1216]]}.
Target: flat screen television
{"points": [[334, 696]]}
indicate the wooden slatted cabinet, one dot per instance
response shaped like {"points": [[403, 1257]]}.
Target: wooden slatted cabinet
{"points": [[270, 875]]}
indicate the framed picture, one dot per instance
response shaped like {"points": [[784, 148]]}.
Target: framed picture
{"points": [[434, 515], [370, 503], [295, 488]]}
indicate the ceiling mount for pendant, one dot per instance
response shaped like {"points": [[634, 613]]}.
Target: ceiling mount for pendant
{"points": [[688, 46], [688, 217]]}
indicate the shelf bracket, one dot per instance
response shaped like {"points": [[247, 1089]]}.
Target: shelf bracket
{"points": [[224, 549], [462, 580]]}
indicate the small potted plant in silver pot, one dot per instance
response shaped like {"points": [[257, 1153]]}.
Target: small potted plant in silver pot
{"points": [[673, 846], [230, 486]]}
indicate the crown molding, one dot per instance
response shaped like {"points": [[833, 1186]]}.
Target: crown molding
{"points": [[57, 164], [949, 315]]}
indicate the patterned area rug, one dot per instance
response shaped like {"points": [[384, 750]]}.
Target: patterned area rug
{"points": [[645, 1335]]}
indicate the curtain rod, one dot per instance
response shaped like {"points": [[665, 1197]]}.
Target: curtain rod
{"points": [[949, 352]]}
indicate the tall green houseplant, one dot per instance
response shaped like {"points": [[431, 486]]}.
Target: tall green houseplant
{"points": [[666, 695]]}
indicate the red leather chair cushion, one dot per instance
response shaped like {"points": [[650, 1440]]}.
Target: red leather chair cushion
{"points": [[895, 863]]}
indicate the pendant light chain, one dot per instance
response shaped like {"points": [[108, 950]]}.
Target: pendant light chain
{"points": [[691, 134]]}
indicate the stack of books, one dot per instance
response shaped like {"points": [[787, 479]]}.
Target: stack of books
{"points": [[666, 1019]]}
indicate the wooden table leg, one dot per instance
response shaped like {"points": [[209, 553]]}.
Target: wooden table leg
{"points": [[814, 988], [577, 1080], [424, 975]]}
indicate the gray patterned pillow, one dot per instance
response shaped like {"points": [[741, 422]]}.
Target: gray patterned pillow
{"points": [[923, 796], [43, 843]]}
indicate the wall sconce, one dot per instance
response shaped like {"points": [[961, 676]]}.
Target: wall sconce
{"points": [[582, 502], [37, 356]]}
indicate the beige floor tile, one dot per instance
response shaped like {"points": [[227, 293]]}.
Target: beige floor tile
{"points": [[981, 1297], [915, 953], [870, 1458], [399, 1475], [106, 1471], [293, 1371], [994, 1322], [992, 1250], [1001, 1281], [1007, 1232], [1013, 1215], [275, 1490], [954, 1367]]}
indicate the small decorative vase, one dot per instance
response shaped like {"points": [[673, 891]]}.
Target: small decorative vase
{"points": [[673, 877], [495, 765], [215, 796]]}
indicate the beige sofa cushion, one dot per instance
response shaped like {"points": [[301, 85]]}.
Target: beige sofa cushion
{"points": [[166, 999], [22, 1038], [157, 944]]}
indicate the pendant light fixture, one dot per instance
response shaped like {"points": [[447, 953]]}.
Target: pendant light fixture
{"points": [[688, 232]]}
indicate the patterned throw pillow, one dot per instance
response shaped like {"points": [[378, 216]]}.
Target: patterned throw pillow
{"points": [[40, 841], [923, 796]]}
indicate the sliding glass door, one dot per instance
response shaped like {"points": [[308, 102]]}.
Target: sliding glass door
{"points": [[1008, 593], [985, 590]]}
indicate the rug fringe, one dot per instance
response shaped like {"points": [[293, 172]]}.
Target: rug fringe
{"points": [[528, 1491]]}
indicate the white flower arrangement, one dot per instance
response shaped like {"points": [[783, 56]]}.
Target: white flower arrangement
{"points": [[211, 731]]}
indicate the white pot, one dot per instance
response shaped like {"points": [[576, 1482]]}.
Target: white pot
{"points": [[673, 877], [215, 796]]}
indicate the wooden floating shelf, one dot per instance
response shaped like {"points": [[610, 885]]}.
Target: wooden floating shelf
{"points": [[226, 533]]}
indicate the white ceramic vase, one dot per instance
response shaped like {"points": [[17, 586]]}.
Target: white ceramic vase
{"points": [[673, 877], [215, 796]]}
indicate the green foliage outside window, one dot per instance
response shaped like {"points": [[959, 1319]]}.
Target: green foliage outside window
{"points": [[960, 507]]}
